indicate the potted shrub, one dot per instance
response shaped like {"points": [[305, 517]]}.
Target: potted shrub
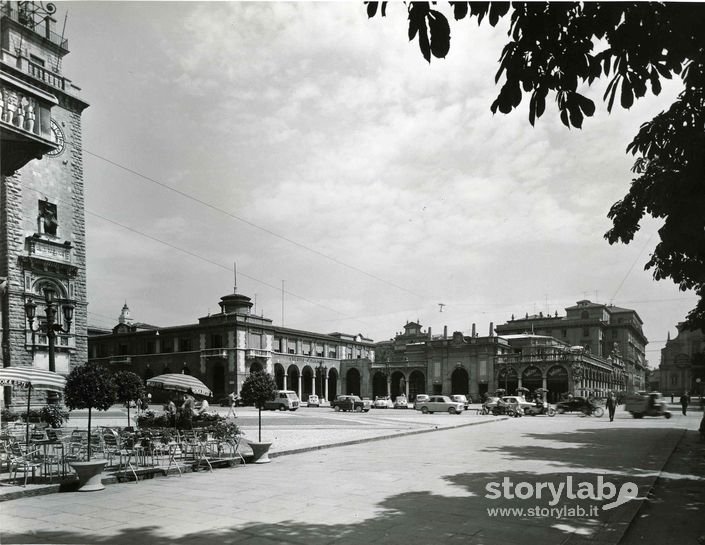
{"points": [[258, 388], [53, 416], [129, 388], [89, 387]]}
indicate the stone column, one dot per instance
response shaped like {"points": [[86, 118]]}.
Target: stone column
{"points": [[299, 393], [325, 387]]}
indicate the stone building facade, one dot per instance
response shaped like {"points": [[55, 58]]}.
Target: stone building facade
{"points": [[223, 349], [604, 332], [42, 226], [683, 363]]}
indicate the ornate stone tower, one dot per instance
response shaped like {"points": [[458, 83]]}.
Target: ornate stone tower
{"points": [[42, 226]]}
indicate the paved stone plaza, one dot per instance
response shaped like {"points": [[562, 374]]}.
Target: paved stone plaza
{"points": [[412, 489]]}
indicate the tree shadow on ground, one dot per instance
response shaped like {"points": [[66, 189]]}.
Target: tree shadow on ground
{"points": [[462, 517], [415, 518], [597, 448]]}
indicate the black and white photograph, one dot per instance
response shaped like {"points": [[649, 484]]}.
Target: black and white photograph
{"points": [[304, 273]]}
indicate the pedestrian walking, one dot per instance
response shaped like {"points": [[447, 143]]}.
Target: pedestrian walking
{"points": [[671, 397], [611, 405], [231, 402], [685, 400]]}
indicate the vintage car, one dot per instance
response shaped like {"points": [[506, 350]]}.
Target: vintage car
{"points": [[438, 404], [579, 404], [641, 404], [401, 403], [350, 403], [518, 401], [313, 401], [459, 398], [383, 402]]}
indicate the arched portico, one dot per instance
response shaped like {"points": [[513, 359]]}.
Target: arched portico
{"points": [[557, 382], [353, 381], [279, 376], [417, 384], [460, 382], [379, 384]]}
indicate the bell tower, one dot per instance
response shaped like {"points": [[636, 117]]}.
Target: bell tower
{"points": [[42, 224]]}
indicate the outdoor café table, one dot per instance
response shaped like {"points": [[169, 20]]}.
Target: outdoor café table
{"points": [[51, 456]]}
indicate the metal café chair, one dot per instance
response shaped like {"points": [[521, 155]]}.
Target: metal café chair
{"points": [[24, 462]]}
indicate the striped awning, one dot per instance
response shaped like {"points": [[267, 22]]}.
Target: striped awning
{"points": [[38, 379], [179, 383]]}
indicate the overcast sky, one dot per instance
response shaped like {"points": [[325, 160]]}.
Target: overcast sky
{"points": [[316, 147]]}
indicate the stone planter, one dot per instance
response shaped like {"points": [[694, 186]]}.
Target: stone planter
{"points": [[89, 475], [260, 451]]}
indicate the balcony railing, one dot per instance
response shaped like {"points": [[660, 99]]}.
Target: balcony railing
{"points": [[26, 19], [256, 353]]}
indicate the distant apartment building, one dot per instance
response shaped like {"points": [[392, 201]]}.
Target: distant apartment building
{"points": [[682, 366], [604, 332]]}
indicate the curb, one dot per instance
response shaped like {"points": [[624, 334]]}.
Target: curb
{"points": [[381, 437], [108, 480], [616, 533]]}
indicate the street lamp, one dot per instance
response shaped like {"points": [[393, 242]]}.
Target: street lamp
{"points": [[322, 369], [52, 328]]}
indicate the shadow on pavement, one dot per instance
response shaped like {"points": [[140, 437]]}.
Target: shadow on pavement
{"points": [[464, 517]]}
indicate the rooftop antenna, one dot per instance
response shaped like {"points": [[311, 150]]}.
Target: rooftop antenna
{"points": [[63, 30], [234, 276]]}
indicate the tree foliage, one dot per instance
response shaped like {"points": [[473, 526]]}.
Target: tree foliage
{"points": [[258, 388], [558, 49], [89, 387], [129, 387]]}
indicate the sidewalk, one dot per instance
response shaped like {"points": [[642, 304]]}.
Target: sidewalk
{"points": [[407, 490], [674, 511]]}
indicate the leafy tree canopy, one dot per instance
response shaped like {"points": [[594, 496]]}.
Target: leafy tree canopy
{"points": [[558, 49], [257, 388], [128, 386], [89, 387]]}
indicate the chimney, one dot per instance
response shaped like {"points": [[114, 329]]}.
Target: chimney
{"points": [[445, 331], [430, 336], [491, 329], [473, 330]]}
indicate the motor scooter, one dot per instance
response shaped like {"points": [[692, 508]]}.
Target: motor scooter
{"points": [[540, 408]]}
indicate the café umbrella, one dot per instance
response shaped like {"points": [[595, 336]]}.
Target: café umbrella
{"points": [[180, 383], [32, 378]]}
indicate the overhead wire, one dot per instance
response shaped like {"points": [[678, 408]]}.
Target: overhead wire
{"points": [[202, 258], [251, 223]]}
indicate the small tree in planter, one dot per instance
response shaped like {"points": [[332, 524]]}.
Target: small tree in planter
{"points": [[89, 387], [129, 388], [257, 389]]}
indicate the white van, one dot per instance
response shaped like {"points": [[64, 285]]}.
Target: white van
{"points": [[283, 400]]}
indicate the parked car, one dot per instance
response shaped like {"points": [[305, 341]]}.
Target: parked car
{"points": [[350, 403], [489, 404], [419, 398], [438, 404], [283, 400], [401, 403], [383, 402], [313, 401], [518, 401], [459, 398]]}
